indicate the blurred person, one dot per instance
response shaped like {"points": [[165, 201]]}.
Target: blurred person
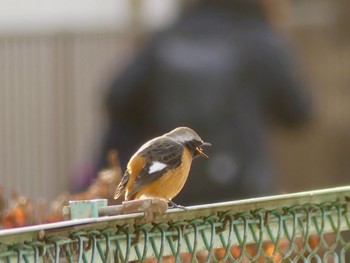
{"points": [[222, 71]]}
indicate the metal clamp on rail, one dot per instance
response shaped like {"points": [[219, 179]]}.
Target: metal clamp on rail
{"points": [[151, 208]]}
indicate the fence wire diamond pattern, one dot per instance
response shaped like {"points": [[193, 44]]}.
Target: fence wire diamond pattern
{"points": [[278, 229]]}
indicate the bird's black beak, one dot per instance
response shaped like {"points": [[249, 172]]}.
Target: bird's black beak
{"points": [[200, 151], [206, 144]]}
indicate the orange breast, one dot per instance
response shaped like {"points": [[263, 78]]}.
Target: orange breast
{"points": [[170, 184]]}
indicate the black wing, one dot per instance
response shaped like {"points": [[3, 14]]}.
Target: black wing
{"points": [[164, 151]]}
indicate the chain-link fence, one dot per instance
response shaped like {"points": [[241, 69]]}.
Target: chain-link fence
{"points": [[302, 227]]}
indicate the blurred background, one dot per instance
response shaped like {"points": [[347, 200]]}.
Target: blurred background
{"points": [[56, 58]]}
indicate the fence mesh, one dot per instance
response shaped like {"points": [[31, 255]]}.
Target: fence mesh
{"points": [[303, 227]]}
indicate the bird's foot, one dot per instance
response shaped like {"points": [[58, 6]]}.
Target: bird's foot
{"points": [[174, 205]]}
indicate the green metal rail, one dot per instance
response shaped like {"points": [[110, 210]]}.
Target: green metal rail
{"points": [[302, 227]]}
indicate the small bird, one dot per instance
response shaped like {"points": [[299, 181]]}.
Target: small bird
{"points": [[161, 166]]}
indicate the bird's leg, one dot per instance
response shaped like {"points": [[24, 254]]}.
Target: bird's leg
{"points": [[174, 205]]}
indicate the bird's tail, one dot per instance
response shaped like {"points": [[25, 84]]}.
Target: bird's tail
{"points": [[121, 187]]}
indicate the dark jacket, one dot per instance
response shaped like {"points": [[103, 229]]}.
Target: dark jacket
{"points": [[225, 74]]}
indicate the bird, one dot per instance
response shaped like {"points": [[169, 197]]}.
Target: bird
{"points": [[160, 167]]}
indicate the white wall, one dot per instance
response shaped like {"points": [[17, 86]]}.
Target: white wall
{"points": [[55, 59], [68, 15]]}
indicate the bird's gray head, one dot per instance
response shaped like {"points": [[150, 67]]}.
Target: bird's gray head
{"points": [[190, 139]]}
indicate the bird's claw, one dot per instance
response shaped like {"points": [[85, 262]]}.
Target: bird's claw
{"points": [[174, 205]]}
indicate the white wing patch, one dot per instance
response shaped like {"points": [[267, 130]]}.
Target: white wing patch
{"points": [[156, 166]]}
